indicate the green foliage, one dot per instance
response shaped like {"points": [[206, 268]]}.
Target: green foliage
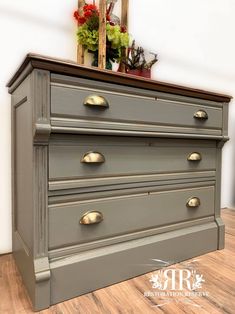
{"points": [[117, 39], [89, 38]]}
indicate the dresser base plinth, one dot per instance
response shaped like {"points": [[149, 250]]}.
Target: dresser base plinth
{"points": [[92, 270], [81, 273], [35, 273]]}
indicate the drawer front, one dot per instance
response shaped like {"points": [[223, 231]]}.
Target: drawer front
{"points": [[125, 214], [103, 106], [91, 157]]}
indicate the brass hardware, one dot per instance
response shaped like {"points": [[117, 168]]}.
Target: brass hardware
{"points": [[96, 101], [194, 157], [93, 158], [193, 202], [201, 115], [91, 218]]}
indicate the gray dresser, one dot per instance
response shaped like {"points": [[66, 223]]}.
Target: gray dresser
{"points": [[109, 172]]}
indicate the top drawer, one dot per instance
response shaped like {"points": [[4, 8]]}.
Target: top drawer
{"points": [[134, 110]]}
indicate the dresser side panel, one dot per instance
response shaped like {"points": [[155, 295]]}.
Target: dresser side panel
{"points": [[22, 184], [29, 160], [22, 164]]}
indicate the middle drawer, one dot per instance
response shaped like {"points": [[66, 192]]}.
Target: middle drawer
{"points": [[79, 156]]}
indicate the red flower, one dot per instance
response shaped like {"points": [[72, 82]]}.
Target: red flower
{"points": [[90, 7], [76, 15], [88, 14], [81, 20]]}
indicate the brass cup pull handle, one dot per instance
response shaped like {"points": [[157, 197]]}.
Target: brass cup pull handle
{"points": [[194, 157], [201, 115], [193, 202], [91, 218], [93, 158], [96, 101]]}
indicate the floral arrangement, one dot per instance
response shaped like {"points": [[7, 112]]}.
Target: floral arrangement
{"points": [[88, 34], [132, 60]]}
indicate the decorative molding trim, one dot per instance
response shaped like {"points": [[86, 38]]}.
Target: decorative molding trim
{"points": [[41, 106], [42, 276], [220, 144], [124, 127], [149, 179], [42, 269], [71, 139], [42, 133], [20, 78], [40, 201], [95, 131], [21, 102], [221, 233]]}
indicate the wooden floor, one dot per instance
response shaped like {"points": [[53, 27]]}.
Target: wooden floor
{"points": [[218, 269]]}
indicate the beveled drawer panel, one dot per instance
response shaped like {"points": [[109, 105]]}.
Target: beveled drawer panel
{"points": [[95, 157], [114, 216], [91, 105]]}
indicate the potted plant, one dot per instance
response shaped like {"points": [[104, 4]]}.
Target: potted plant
{"points": [[136, 63], [88, 33]]}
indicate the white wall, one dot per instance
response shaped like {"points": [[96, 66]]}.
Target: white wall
{"points": [[194, 40]]}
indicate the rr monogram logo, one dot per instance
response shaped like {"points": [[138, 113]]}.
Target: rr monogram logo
{"points": [[177, 279]]}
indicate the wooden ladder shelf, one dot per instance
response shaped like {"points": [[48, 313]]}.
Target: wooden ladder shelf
{"points": [[102, 30]]}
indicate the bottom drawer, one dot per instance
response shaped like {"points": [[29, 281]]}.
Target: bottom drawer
{"points": [[113, 216]]}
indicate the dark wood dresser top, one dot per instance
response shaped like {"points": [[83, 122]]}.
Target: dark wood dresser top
{"points": [[67, 67]]}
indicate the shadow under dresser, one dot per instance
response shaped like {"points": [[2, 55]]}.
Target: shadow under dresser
{"points": [[110, 171]]}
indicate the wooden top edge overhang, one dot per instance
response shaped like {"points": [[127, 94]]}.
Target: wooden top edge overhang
{"points": [[67, 67]]}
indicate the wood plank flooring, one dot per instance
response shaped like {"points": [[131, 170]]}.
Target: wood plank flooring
{"points": [[218, 269]]}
